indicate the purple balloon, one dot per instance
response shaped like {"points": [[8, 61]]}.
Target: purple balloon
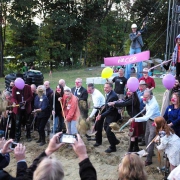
{"points": [[133, 84], [168, 81], [19, 83]]}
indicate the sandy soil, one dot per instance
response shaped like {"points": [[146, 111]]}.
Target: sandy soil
{"points": [[106, 164]]}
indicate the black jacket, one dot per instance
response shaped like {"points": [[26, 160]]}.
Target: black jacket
{"points": [[131, 107], [111, 112], [58, 109], [43, 104], [20, 174], [83, 94]]}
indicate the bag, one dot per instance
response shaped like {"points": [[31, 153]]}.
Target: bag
{"points": [[131, 131]]}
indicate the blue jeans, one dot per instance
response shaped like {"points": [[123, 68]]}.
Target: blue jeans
{"points": [[58, 124], [139, 65], [72, 129]]}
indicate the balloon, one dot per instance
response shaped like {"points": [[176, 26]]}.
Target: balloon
{"points": [[133, 84], [19, 83], [106, 72], [168, 81]]}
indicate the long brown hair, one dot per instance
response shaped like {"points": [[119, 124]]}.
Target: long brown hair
{"points": [[177, 94], [161, 125]]}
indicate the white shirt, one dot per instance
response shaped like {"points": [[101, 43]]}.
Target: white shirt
{"points": [[98, 101], [152, 111]]}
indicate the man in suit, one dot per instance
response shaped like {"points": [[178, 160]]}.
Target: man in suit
{"points": [[110, 116], [82, 95]]}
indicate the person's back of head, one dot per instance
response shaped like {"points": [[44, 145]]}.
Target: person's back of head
{"points": [[132, 168], [49, 169]]}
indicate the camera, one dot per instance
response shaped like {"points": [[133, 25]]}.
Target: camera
{"points": [[67, 138], [13, 145]]}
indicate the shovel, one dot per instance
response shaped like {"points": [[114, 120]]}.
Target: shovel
{"points": [[128, 122], [144, 152], [93, 132], [7, 126]]}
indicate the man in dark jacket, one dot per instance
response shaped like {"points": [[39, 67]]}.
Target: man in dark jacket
{"points": [[22, 97], [111, 115], [81, 93]]}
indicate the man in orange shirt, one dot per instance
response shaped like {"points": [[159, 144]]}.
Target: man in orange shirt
{"points": [[71, 110]]}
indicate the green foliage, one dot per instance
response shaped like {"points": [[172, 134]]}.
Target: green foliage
{"points": [[78, 32]]}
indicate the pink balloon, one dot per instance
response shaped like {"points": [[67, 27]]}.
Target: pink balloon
{"points": [[133, 84], [168, 81], [19, 83]]}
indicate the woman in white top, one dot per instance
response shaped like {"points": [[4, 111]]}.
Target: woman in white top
{"points": [[169, 141]]}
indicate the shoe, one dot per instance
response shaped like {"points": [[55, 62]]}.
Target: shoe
{"points": [[42, 144], [38, 141], [88, 138], [117, 142], [97, 144], [109, 150], [29, 139], [91, 139], [142, 143], [147, 163]]}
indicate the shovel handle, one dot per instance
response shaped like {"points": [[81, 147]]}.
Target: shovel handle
{"points": [[65, 121]]}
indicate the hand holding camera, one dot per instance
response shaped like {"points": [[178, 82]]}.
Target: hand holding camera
{"points": [[7, 146], [80, 148], [53, 144], [19, 152]]}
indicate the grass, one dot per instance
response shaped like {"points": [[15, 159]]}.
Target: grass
{"points": [[71, 75]]}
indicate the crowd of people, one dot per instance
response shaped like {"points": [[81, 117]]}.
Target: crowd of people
{"points": [[34, 107]]}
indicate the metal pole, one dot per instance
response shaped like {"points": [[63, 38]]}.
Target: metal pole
{"points": [[167, 35], [1, 43], [171, 42]]}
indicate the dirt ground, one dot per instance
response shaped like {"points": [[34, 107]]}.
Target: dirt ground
{"points": [[106, 165]]}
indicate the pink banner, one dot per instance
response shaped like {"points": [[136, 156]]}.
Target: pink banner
{"points": [[124, 60]]}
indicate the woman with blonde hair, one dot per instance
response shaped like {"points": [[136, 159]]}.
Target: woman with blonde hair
{"points": [[49, 169], [42, 109], [169, 141], [132, 168]]}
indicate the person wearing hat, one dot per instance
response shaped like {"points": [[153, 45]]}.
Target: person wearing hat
{"points": [[149, 80], [71, 110], [136, 46], [140, 93]]}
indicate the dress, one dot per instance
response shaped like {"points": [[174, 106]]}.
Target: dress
{"points": [[171, 145]]}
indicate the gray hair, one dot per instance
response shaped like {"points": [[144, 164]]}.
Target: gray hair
{"points": [[49, 169]]}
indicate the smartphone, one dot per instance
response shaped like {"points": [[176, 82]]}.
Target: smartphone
{"points": [[13, 145], [67, 138]]}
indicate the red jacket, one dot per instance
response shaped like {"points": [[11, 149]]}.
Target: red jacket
{"points": [[71, 108], [27, 95]]}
